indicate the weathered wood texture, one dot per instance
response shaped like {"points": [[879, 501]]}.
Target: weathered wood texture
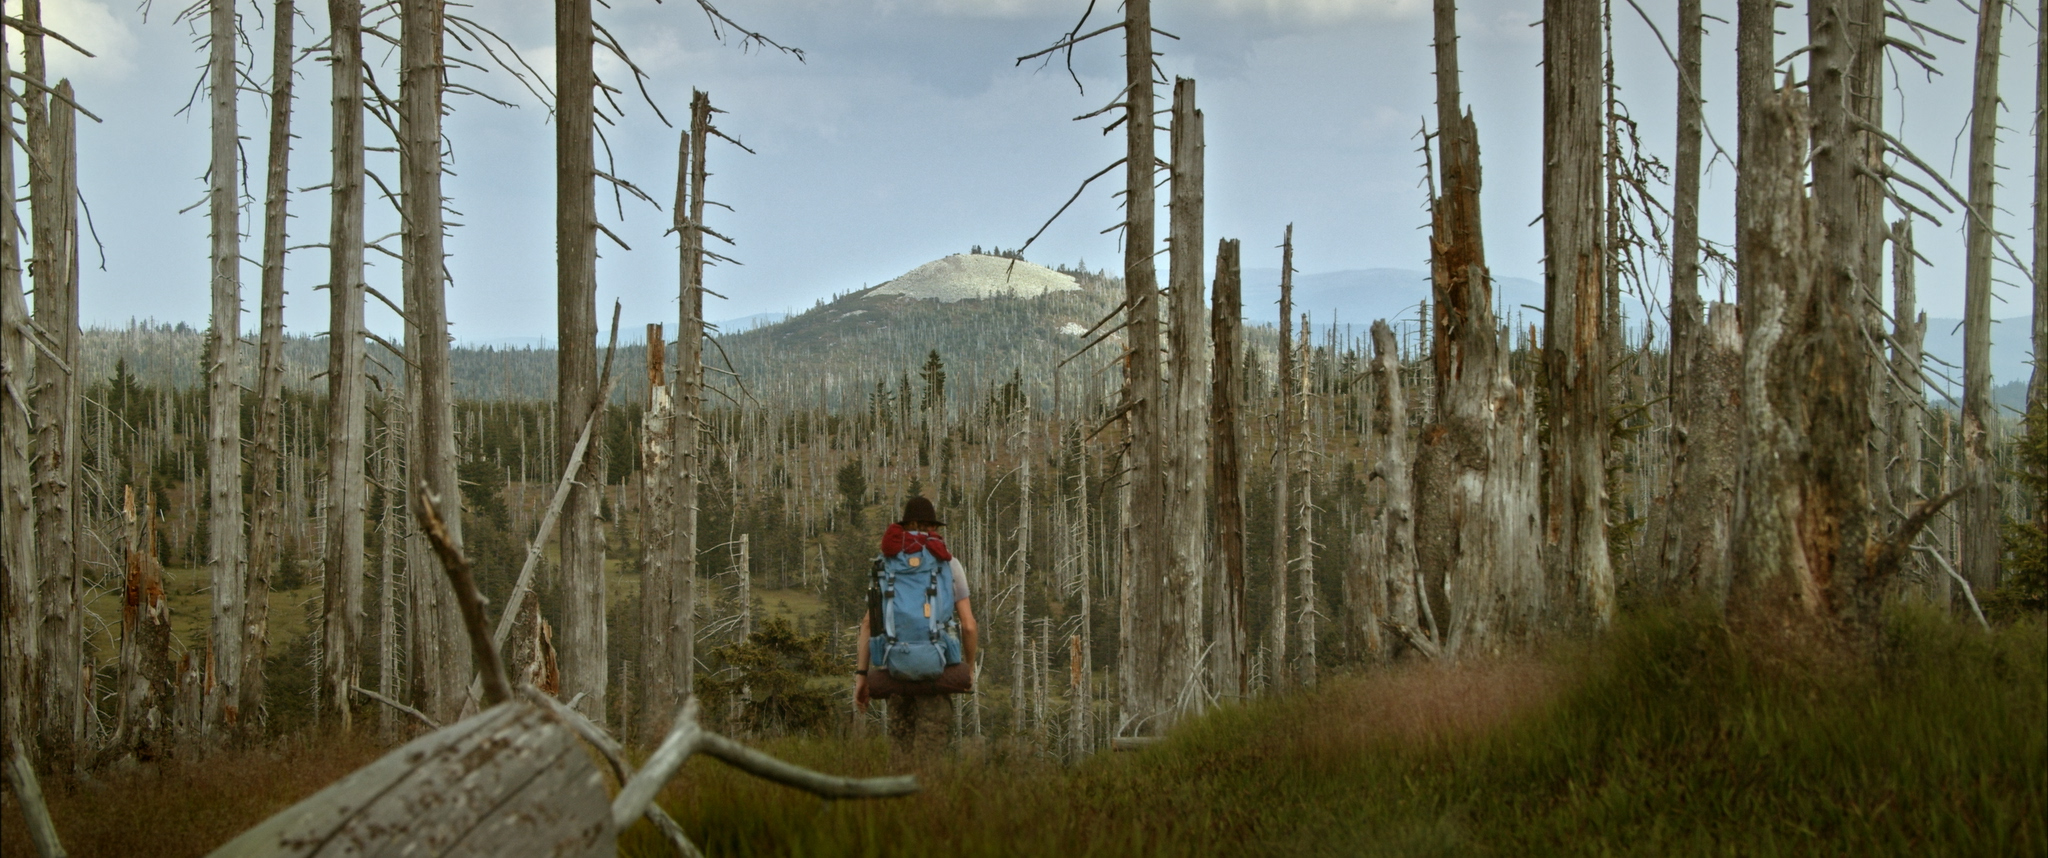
{"points": [[145, 681], [266, 515], [1182, 643], [1906, 421], [342, 586], [60, 597], [442, 667], [1693, 556], [688, 426], [17, 500], [1304, 559], [1146, 697], [1229, 669], [657, 529], [227, 555], [1980, 514], [582, 546], [511, 777], [1283, 456], [1579, 572], [2040, 332], [1390, 553]]}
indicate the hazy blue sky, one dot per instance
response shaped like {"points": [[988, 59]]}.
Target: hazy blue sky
{"points": [[908, 133]]}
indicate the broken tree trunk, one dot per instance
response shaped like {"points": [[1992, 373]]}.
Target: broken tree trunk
{"points": [[582, 546], [342, 587], [657, 529], [145, 683], [60, 596], [1393, 540], [266, 518], [1980, 513], [1182, 643], [1229, 669], [1909, 399], [1579, 572], [227, 555], [1304, 560]]}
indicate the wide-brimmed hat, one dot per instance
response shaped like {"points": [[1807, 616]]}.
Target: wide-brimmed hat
{"points": [[919, 509]]}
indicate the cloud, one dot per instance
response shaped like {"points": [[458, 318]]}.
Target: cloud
{"points": [[1322, 11], [94, 27]]}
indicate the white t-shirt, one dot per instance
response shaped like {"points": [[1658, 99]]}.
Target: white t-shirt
{"points": [[959, 579]]}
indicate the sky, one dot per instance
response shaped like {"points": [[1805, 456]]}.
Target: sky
{"points": [[908, 131]]}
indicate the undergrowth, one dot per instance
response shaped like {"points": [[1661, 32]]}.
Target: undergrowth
{"points": [[1668, 736]]}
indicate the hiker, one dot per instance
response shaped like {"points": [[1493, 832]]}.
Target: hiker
{"points": [[918, 639]]}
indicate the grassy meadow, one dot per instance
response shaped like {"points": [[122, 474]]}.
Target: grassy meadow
{"points": [[1669, 736]]}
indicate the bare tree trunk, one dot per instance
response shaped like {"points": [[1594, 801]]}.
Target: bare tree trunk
{"points": [[445, 672], [227, 554], [657, 529], [1187, 454], [2034, 382], [1866, 105], [1019, 651], [266, 519], [582, 550], [1909, 402], [342, 588], [1677, 566], [392, 528], [146, 682], [1575, 491], [1228, 667], [689, 399], [1304, 513], [1283, 457], [18, 576], [1144, 632], [53, 192], [1981, 544], [1387, 439]]}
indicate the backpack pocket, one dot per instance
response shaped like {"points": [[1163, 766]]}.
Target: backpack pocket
{"points": [[915, 661], [951, 643]]}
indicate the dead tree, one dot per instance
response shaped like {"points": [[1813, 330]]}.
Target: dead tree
{"points": [[18, 577], [582, 548], [1391, 544], [1304, 559], [146, 682], [227, 554], [1704, 372], [657, 529], [1283, 456], [2034, 381], [1579, 571], [1463, 520], [266, 521], [342, 587], [441, 673], [53, 193], [1187, 456], [1905, 423], [1980, 514], [1228, 669], [688, 425]]}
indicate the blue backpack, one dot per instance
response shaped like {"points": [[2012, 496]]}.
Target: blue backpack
{"points": [[919, 636]]}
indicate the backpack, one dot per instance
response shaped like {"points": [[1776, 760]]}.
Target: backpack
{"points": [[919, 636]]}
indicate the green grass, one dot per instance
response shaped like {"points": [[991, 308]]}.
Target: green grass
{"points": [[1669, 737]]}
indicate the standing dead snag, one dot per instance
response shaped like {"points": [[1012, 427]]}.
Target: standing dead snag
{"points": [[1903, 462], [1283, 457], [228, 553], [1228, 666], [1187, 454], [1980, 514], [687, 426], [60, 595], [440, 672], [582, 547], [657, 529], [1579, 573], [1473, 496], [1390, 559], [342, 589], [17, 503], [266, 519]]}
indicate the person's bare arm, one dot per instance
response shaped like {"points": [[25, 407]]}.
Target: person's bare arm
{"points": [[970, 632], [860, 661]]}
